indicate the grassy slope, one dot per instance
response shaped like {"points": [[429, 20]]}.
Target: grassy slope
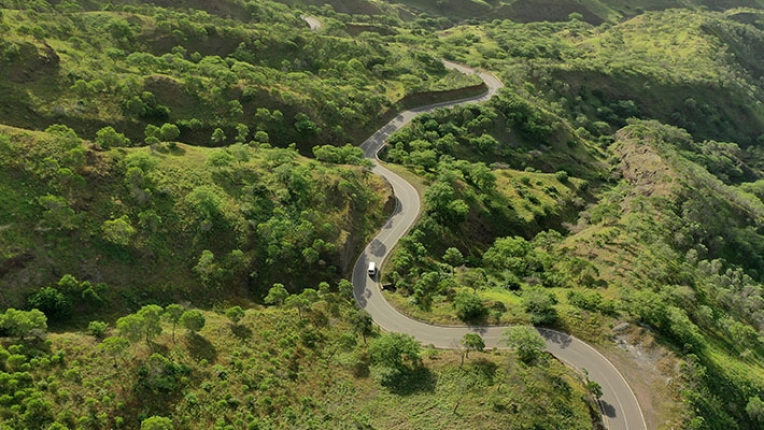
{"points": [[274, 370], [166, 253], [280, 65]]}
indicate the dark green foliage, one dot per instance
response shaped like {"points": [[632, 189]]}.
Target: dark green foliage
{"points": [[395, 350], [161, 375], [540, 305], [53, 303], [468, 306]]}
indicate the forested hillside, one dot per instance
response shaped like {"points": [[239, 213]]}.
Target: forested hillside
{"points": [[205, 153]]}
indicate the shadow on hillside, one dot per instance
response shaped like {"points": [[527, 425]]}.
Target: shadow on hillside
{"points": [[485, 368], [200, 348], [410, 381], [241, 331]]}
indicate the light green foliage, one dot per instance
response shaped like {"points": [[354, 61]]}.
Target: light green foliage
{"points": [[277, 294], [242, 132], [22, 324], [508, 253], [303, 301], [240, 152], [98, 329], [468, 306], [395, 350], [108, 137], [145, 324], [173, 312], [472, 342], [218, 136], [453, 257], [755, 409], [362, 323], [157, 423], [235, 314], [526, 342], [118, 231], [192, 320], [169, 132], [115, 347]]}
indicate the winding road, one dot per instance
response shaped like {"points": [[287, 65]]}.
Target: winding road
{"points": [[618, 404]]}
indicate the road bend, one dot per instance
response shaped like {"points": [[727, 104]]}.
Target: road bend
{"points": [[618, 403]]}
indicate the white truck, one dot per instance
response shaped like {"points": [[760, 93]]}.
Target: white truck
{"points": [[372, 269]]}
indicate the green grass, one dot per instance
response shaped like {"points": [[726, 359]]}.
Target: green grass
{"points": [[265, 371]]}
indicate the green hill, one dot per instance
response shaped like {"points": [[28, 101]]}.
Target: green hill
{"points": [[192, 152], [272, 369], [203, 224]]}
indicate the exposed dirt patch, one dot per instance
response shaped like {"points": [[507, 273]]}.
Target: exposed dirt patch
{"points": [[32, 63], [651, 371], [15, 263], [644, 167]]}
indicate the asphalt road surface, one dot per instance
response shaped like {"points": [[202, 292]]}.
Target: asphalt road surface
{"points": [[618, 404]]}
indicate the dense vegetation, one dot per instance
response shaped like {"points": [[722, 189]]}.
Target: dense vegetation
{"points": [[157, 152], [324, 366]]}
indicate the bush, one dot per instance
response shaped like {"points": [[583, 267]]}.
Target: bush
{"points": [[468, 306]]}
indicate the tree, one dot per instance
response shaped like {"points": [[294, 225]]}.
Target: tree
{"points": [[594, 388], [473, 342], [362, 323], [395, 350], [98, 329], [118, 231], [235, 314], [468, 306], [145, 324], [169, 132], [345, 289], [218, 136], [276, 295], [526, 342], [152, 317], [240, 152], [262, 136], [302, 301], [242, 132], [173, 313], [108, 137], [131, 327], [193, 320], [539, 304], [755, 409], [157, 423], [24, 323], [116, 347], [453, 257], [508, 253], [52, 302]]}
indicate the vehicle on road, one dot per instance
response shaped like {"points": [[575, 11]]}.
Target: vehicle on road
{"points": [[372, 269]]}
